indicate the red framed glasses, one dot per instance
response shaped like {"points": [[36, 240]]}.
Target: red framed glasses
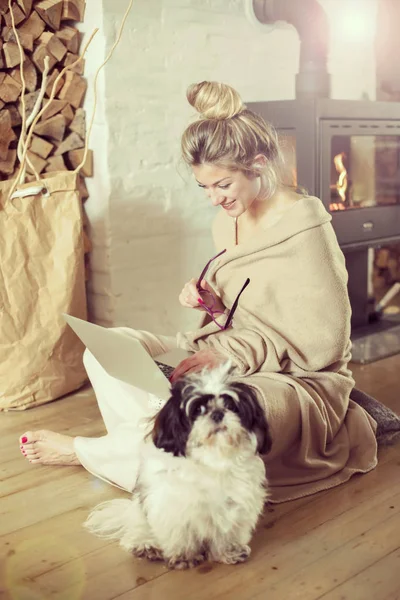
{"points": [[209, 301]]}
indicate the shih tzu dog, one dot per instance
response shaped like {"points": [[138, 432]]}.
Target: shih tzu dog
{"points": [[202, 485]]}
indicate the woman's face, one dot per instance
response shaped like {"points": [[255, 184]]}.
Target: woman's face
{"points": [[232, 190]]}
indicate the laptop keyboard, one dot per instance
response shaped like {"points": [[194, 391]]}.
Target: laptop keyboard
{"points": [[166, 369]]}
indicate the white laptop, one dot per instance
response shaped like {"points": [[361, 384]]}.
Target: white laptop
{"points": [[124, 358]]}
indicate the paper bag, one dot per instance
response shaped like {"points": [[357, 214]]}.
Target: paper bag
{"points": [[42, 276]]}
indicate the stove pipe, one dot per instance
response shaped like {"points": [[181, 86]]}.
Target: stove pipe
{"points": [[310, 20]]}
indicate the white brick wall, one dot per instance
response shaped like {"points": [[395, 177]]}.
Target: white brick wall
{"points": [[150, 223], [99, 289]]}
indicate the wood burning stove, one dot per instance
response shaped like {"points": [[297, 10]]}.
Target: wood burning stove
{"points": [[347, 153]]}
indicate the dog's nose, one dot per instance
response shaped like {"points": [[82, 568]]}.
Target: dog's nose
{"points": [[217, 416]]}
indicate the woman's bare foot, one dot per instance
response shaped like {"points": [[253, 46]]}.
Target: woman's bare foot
{"points": [[48, 448]]}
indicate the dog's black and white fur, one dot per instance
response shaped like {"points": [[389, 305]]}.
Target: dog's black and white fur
{"points": [[202, 485]]}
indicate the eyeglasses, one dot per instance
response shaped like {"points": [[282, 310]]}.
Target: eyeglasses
{"points": [[209, 305]]}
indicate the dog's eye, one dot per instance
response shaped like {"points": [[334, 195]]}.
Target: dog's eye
{"points": [[229, 403], [199, 410]]}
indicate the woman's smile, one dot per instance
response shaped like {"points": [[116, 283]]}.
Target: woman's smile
{"points": [[228, 205]]}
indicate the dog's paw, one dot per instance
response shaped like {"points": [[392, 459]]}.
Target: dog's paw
{"points": [[149, 552], [235, 554], [186, 562]]}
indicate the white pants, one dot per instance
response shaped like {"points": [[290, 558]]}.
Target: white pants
{"points": [[126, 413]]}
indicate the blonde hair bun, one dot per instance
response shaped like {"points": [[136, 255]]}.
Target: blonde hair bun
{"points": [[215, 100]]}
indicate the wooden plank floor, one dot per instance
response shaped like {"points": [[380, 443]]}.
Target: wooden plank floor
{"points": [[343, 544]]}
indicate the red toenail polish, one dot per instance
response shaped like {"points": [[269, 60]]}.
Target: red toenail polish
{"points": [[24, 440]]}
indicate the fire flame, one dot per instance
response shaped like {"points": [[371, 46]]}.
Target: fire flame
{"points": [[341, 184]]}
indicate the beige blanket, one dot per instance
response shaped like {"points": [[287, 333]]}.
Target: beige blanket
{"points": [[290, 341]]}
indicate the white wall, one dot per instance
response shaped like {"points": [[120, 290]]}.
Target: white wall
{"points": [[151, 224], [99, 288], [352, 48]]}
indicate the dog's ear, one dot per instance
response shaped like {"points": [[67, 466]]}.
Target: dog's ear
{"points": [[262, 432], [171, 426], [253, 416]]}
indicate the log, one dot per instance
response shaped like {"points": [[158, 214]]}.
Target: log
{"points": [[50, 11], [26, 6], [70, 58], [53, 128], [71, 142], [11, 54], [26, 39], [392, 268], [55, 73], [55, 163], [57, 48], [7, 134], [40, 146], [382, 257], [34, 25], [29, 178], [70, 37], [38, 162], [79, 123], [7, 165], [14, 114], [74, 89], [40, 54], [30, 75], [53, 108], [30, 101], [68, 114], [14, 137], [73, 10], [75, 158], [19, 16], [83, 191], [9, 89], [53, 45]]}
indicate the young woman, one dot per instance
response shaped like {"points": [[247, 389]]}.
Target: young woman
{"points": [[276, 297]]}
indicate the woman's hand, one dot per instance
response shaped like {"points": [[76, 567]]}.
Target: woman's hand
{"points": [[191, 297], [206, 358]]}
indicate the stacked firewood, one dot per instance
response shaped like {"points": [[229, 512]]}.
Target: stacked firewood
{"points": [[45, 28], [386, 266]]}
